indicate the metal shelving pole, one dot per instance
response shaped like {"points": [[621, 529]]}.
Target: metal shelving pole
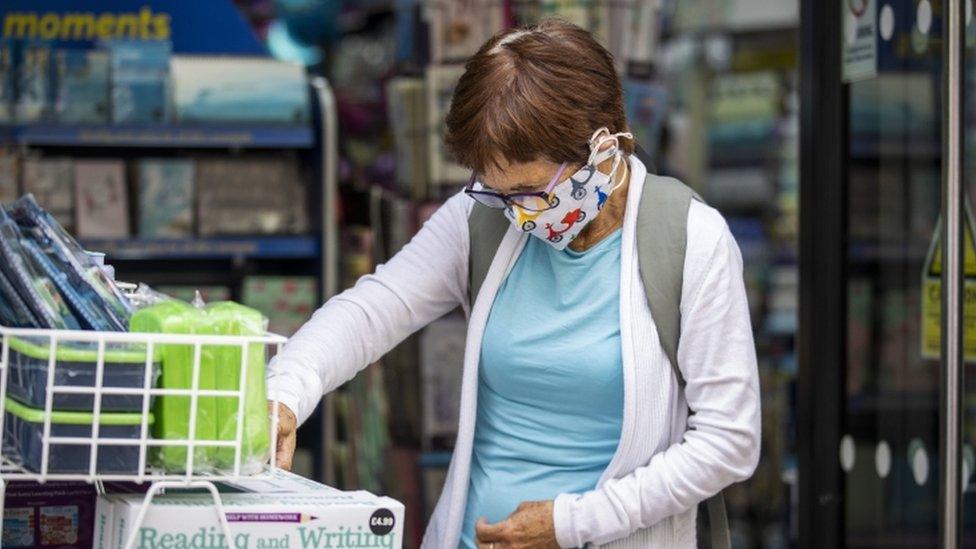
{"points": [[330, 243]]}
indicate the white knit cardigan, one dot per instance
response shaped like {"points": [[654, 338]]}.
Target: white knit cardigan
{"points": [[667, 461]]}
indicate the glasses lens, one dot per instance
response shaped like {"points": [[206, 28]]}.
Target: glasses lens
{"points": [[488, 198], [531, 202]]}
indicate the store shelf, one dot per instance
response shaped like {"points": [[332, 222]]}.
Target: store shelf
{"points": [[269, 247], [142, 136]]}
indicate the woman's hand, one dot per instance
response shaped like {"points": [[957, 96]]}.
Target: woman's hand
{"points": [[530, 526], [287, 427]]}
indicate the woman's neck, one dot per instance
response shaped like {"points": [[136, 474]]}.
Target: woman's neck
{"points": [[611, 216]]}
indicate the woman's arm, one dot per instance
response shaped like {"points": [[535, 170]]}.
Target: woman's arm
{"points": [[721, 446], [422, 282]]}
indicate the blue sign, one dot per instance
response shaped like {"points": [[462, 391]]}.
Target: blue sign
{"points": [[193, 26]]}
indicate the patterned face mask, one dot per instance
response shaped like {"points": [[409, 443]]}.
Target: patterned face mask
{"points": [[574, 202]]}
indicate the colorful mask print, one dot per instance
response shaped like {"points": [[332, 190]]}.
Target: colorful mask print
{"points": [[576, 201]]}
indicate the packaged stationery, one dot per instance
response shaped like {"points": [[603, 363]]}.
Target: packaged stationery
{"points": [[83, 84], [30, 281], [165, 197], [172, 412], [220, 366], [13, 311], [76, 362], [259, 520], [229, 318], [102, 204], [51, 181], [80, 272], [25, 427]]}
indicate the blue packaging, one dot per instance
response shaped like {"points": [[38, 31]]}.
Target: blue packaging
{"points": [[140, 79], [34, 287], [33, 86], [24, 427], [239, 89], [87, 285], [83, 86], [125, 367], [14, 313], [7, 77]]}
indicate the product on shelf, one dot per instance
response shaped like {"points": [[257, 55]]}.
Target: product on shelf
{"points": [[165, 191], [220, 368], [33, 81], [287, 301], [140, 80], [646, 103], [83, 86], [51, 181], [250, 195], [239, 89], [25, 427], [7, 80], [55, 513], [441, 80], [458, 29], [306, 519], [75, 366], [407, 111], [441, 354], [9, 188], [101, 207]]}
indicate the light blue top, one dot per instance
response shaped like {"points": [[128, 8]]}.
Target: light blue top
{"points": [[550, 382]]}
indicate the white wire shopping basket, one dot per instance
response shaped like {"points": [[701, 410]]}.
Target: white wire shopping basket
{"points": [[42, 372]]}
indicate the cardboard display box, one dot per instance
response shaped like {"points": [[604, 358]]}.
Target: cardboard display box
{"points": [[285, 511]]}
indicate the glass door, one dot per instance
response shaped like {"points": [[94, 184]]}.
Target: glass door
{"points": [[876, 346], [889, 445]]}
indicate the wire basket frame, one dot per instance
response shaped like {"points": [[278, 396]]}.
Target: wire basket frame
{"points": [[12, 468]]}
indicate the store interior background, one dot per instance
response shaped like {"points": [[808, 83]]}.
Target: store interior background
{"points": [[712, 94]]}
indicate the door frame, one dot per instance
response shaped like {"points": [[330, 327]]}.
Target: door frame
{"points": [[821, 335]]}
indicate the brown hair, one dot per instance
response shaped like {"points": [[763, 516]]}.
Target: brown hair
{"points": [[535, 93]]}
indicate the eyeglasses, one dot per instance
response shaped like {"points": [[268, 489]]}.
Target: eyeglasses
{"points": [[537, 201]]}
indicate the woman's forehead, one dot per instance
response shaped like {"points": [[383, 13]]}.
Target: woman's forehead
{"points": [[520, 173]]}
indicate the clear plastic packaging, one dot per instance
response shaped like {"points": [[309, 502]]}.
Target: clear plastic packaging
{"points": [[173, 411], [220, 368], [82, 272], [13, 311], [30, 281]]}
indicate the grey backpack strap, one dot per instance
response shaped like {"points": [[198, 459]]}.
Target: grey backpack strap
{"points": [[486, 228], [662, 237], [662, 234]]}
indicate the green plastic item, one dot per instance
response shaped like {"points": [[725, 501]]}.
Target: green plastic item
{"points": [[229, 318], [114, 353], [220, 368], [173, 412], [34, 415]]}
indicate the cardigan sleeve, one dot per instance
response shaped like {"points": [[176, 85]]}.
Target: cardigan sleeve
{"points": [[425, 280], [717, 357]]}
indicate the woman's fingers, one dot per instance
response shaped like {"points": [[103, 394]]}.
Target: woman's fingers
{"points": [[287, 426], [488, 533]]}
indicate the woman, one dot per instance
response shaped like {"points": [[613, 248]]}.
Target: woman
{"points": [[573, 427]]}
